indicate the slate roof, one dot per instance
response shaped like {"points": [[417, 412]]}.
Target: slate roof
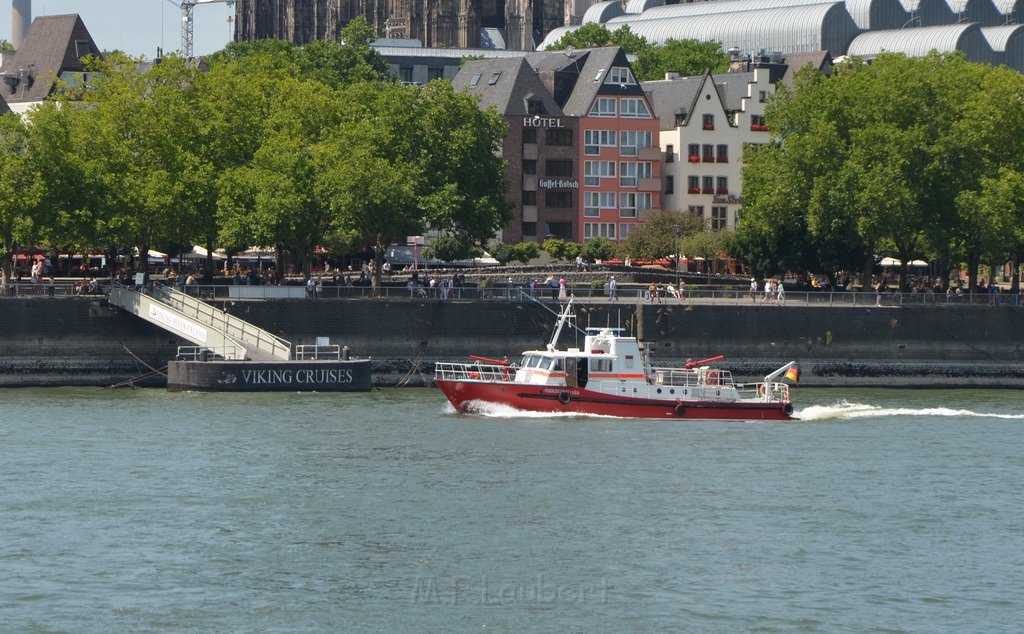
{"points": [[3, 106], [53, 45], [516, 83]]}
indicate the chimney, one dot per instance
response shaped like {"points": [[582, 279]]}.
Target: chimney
{"points": [[21, 19]]}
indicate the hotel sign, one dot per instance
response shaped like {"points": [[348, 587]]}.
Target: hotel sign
{"points": [[538, 121], [731, 199]]}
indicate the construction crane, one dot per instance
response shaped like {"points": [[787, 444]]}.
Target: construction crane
{"points": [[187, 32]]}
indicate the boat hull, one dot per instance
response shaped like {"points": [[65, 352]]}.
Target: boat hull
{"points": [[467, 395]]}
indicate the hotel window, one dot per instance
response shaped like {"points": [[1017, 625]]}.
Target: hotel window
{"points": [[529, 167], [757, 123], [693, 151], [722, 156], [530, 198], [594, 202], [594, 171], [619, 75], [693, 184], [534, 106], [634, 109], [723, 185], [603, 107], [553, 167], [709, 122], [708, 185], [594, 140], [529, 228], [696, 210], [719, 218], [627, 205], [708, 155], [558, 199], [627, 174], [762, 96], [558, 136], [632, 140], [644, 169], [530, 135], [598, 230]]}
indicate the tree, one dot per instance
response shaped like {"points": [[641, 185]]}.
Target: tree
{"points": [[867, 162], [686, 57], [5, 46], [525, 251], [450, 248], [656, 238], [21, 191], [341, 63], [593, 35], [598, 249], [560, 250]]}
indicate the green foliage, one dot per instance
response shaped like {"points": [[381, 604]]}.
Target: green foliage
{"points": [[449, 249], [873, 161], [502, 252], [598, 249], [5, 46], [525, 251], [560, 250], [21, 190], [686, 57], [593, 35], [657, 237]]}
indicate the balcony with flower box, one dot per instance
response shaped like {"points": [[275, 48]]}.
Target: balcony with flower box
{"points": [[722, 191], [709, 159], [722, 159], [694, 158], [708, 190], [758, 127], [693, 190]]}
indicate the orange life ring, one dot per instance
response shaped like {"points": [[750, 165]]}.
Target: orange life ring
{"points": [[474, 375], [712, 378], [761, 390]]}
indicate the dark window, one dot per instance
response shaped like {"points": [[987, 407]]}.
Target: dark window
{"points": [[534, 106], [530, 135], [558, 136], [494, 79], [475, 80], [709, 121], [405, 74], [435, 73], [558, 168], [670, 156], [558, 199], [670, 184], [530, 198], [529, 228], [529, 166]]}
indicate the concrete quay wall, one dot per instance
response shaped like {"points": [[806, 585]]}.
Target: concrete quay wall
{"points": [[86, 341]]}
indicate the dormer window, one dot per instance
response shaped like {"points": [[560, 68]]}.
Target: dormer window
{"points": [[82, 48], [620, 75], [709, 122], [476, 80], [494, 79]]}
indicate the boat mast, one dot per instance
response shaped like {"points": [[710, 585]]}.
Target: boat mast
{"points": [[563, 317]]}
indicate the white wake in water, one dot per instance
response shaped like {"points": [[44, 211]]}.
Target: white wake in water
{"points": [[849, 411], [496, 410]]}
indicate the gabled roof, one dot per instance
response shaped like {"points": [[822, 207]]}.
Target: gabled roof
{"points": [[54, 44], [506, 84], [670, 97], [821, 61], [590, 82]]}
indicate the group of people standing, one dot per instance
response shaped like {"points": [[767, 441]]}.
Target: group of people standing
{"points": [[772, 291]]}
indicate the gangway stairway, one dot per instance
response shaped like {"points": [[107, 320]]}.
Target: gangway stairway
{"points": [[218, 332]]}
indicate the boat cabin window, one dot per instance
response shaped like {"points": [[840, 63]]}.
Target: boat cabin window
{"points": [[559, 365], [532, 361], [600, 365]]}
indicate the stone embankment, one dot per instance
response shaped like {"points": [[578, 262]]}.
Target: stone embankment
{"points": [[86, 341]]}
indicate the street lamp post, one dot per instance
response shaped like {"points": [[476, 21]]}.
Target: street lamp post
{"points": [[677, 227]]}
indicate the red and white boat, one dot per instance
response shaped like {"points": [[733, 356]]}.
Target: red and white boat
{"points": [[611, 376]]}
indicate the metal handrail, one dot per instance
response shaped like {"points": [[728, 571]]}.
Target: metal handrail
{"points": [[229, 325]]}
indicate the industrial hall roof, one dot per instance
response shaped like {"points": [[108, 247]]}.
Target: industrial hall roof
{"points": [[965, 37], [866, 14]]}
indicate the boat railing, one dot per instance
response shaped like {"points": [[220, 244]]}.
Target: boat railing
{"points": [[773, 392], [444, 371], [204, 353], [699, 377]]}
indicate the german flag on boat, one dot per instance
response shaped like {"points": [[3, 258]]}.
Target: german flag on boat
{"points": [[792, 376]]}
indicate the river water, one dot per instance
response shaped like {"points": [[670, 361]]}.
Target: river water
{"points": [[143, 510]]}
